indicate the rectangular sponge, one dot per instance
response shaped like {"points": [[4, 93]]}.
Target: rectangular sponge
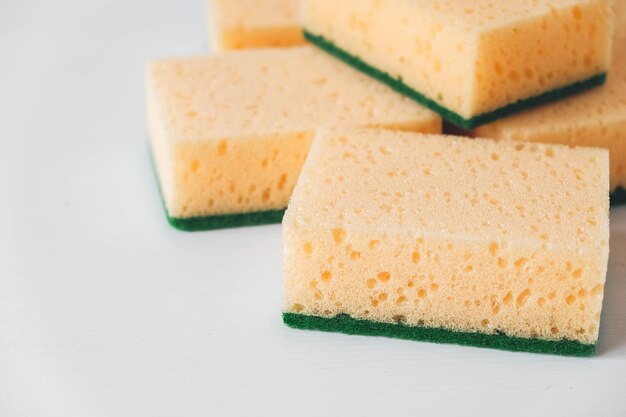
{"points": [[594, 118], [230, 133], [472, 62], [242, 24], [449, 239]]}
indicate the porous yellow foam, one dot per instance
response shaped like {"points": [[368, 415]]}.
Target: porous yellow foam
{"points": [[230, 132], [594, 118], [471, 57], [469, 235], [241, 24]]}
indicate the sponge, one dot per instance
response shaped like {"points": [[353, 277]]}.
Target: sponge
{"points": [[471, 63], [230, 133], [449, 239], [242, 24], [619, 7], [594, 118]]}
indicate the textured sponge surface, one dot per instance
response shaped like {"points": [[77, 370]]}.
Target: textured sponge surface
{"points": [[594, 118], [471, 58], [453, 233], [240, 24], [230, 133]]}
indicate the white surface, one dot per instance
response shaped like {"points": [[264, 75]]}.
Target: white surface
{"points": [[107, 311]]}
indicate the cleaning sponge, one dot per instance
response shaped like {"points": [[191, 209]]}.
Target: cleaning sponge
{"points": [[595, 118], [241, 24], [471, 62], [497, 244], [230, 133]]}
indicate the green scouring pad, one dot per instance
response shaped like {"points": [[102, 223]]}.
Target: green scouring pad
{"points": [[348, 325], [618, 197], [196, 224], [398, 85]]}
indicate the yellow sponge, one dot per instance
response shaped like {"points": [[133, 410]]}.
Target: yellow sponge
{"points": [[474, 237], [241, 24], [594, 118], [472, 62], [230, 133]]}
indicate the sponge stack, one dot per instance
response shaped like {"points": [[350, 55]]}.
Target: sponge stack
{"points": [[471, 62], [230, 133], [449, 239], [594, 118], [242, 24]]}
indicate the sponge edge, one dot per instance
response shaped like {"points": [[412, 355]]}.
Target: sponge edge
{"points": [[226, 221], [348, 325], [447, 114], [245, 24], [240, 38]]}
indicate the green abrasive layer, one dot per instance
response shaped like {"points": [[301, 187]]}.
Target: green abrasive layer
{"points": [[225, 221], [349, 325], [452, 117], [618, 197]]}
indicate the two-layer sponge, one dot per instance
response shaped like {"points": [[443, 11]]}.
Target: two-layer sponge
{"points": [[472, 62], [448, 239], [230, 133], [595, 118], [243, 24]]}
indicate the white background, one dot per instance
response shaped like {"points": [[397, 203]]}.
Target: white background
{"points": [[107, 311]]}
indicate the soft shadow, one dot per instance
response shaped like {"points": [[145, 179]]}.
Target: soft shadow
{"points": [[613, 321]]}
